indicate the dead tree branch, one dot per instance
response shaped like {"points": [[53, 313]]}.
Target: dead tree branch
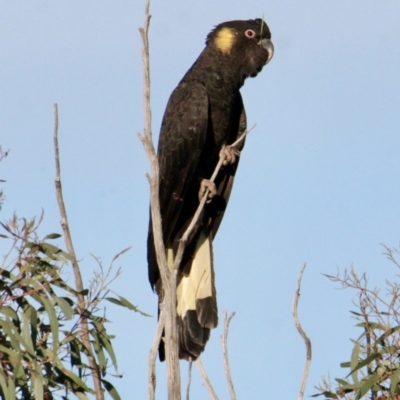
{"points": [[168, 278], [189, 380], [205, 379], [303, 335], [75, 267], [224, 339], [153, 356]]}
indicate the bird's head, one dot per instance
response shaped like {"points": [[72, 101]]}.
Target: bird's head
{"points": [[246, 44]]}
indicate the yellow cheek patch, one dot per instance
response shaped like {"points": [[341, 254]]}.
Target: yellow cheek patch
{"points": [[225, 39]]}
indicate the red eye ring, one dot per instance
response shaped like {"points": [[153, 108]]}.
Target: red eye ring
{"points": [[250, 34]]}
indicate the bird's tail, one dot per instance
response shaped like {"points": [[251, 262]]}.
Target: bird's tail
{"points": [[197, 301]]}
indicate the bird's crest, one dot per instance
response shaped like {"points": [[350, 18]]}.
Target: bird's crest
{"points": [[224, 39]]}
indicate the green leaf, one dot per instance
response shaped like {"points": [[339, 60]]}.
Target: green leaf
{"points": [[345, 364], [81, 396], [75, 379], [99, 352], [61, 284], [111, 389], [12, 334], [126, 303], [356, 313], [52, 317], [370, 381], [65, 307], [31, 314], [7, 274], [49, 250], [389, 350], [345, 387], [365, 362], [388, 333], [113, 300], [11, 389], [52, 236], [75, 355], [106, 343], [342, 382], [328, 395], [9, 312], [15, 359], [37, 379], [394, 382], [354, 361], [4, 387], [371, 325], [26, 335]]}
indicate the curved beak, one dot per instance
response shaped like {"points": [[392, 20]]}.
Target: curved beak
{"points": [[267, 44]]}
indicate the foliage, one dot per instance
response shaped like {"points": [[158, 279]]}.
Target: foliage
{"points": [[374, 366], [41, 351]]}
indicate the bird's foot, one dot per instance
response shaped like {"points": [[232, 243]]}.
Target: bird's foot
{"points": [[207, 185], [231, 153]]}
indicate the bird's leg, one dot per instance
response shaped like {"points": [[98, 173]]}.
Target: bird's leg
{"points": [[231, 153], [205, 185]]}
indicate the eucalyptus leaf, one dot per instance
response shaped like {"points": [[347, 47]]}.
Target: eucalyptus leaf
{"points": [[370, 381], [111, 389], [65, 307], [81, 396], [394, 384], [99, 352], [354, 361], [26, 335], [126, 303], [52, 236], [365, 362]]}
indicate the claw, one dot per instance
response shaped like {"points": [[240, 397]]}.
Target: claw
{"points": [[231, 153], [207, 185]]}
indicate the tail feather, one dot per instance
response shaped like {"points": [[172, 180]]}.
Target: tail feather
{"points": [[196, 301], [192, 336]]}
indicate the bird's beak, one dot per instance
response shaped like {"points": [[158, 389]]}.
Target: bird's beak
{"points": [[267, 44]]}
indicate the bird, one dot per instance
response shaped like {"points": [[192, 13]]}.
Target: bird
{"points": [[204, 113]]}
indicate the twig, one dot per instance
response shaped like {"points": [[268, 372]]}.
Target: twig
{"points": [[189, 380], [153, 356], [168, 279], [302, 334], [185, 236], [75, 267], [3, 154], [205, 379], [224, 339]]}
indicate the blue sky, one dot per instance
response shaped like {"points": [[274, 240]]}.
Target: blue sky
{"points": [[317, 183]]}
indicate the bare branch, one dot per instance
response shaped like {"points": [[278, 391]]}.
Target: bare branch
{"points": [[205, 379], [75, 267], [242, 136], [3, 154], [224, 339], [189, 380], [153, 356], [168, 279], [303, 335]]}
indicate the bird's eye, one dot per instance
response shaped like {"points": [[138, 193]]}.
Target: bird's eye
{"points": [[250, 33]]}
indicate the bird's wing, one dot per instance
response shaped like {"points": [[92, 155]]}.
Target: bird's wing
{"points": [[182, 138], [224, 181]]}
